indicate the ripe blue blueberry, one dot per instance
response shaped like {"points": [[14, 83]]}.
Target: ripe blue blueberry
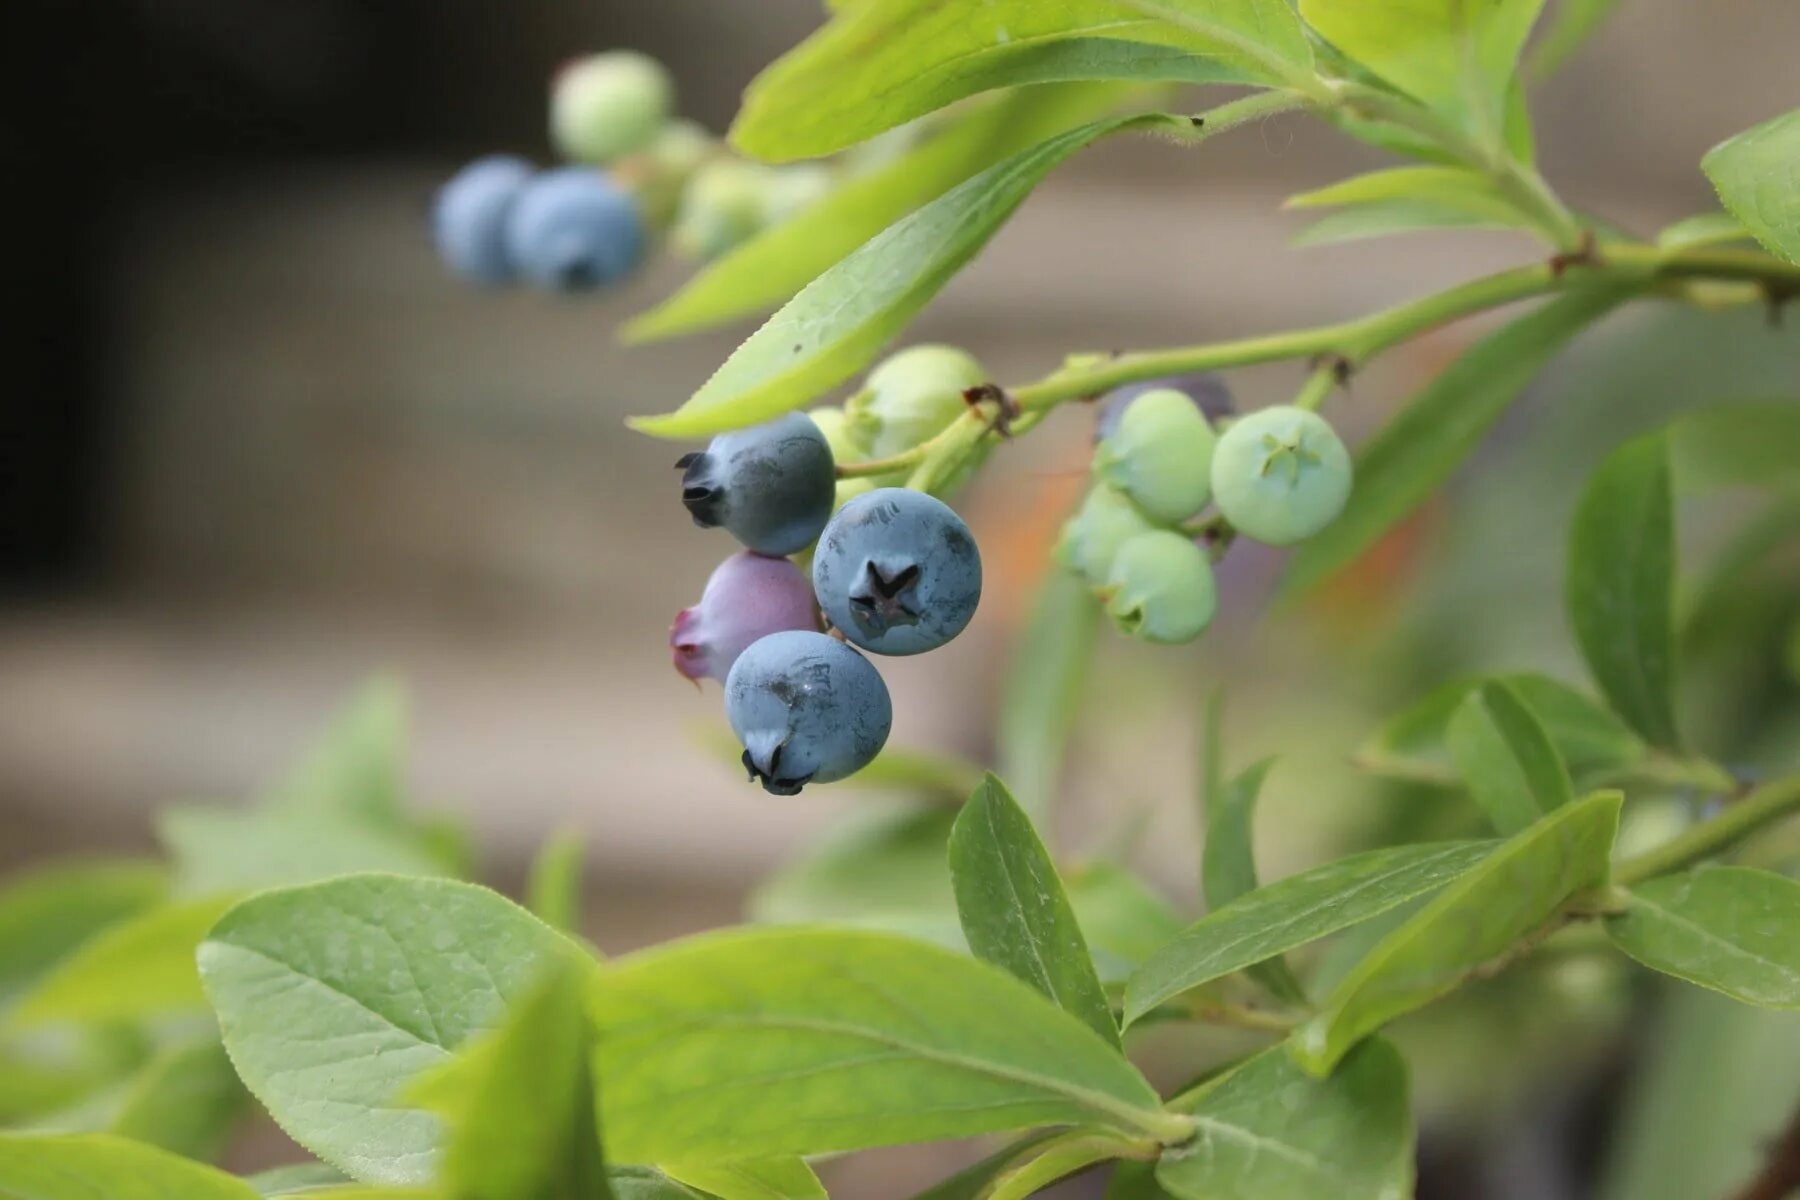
{"points": [[897, 571], [468, 218], [770, 486], [1161, 588], [1105, 521], [1280, 475], [573, 229], [748, 597], [1159, 453], [807, 709], [607, 105], [1205, 389]]}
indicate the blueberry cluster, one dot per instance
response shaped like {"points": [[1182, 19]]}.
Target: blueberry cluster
{"points": [[1278, 475], [632, 172], [894, 571]]}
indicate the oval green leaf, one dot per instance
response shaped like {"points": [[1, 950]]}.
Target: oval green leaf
{"points": [[1267, 1131], [1294, 911], [882, 63], [1228, 865], [48, 912], [1757, 174], [840, 320], [748, 1043], [335, 997], [1620, 587], [1508, 894], [1014, 910], [1733, 929], [1507, 759], [88, 1166]]}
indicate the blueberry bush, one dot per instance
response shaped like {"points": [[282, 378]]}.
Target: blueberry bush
{"points": [[322, 955]]}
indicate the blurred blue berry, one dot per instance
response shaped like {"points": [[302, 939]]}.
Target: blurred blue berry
{"points": [[468, 218], [573, 229]]}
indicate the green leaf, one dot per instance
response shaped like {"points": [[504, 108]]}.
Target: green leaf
{"points": [[140, 967], [1571, 23], [1386, 218], [882, 868], [519, 1102], [1455, 57], [355, 769], [1228, 867], [647, 1183], [1124, 918], [1704, 229], [764, 271], [841, 320], [48, 912], [335, 996], [295, 1179], [99, 1167], [1456, 189], [1411, 457], [761, 1179], [553, 888], [1620, 587], [1057, 1158], [1507, 895], [859, 1039], [1506, 756], [882, 63], [1045, 679], [1733, 929], [1740, 444], [186, 1100], [1757, 174], [1294, 911], [227, 850], [1588, 737], [1269, 1132], [1014, 910]]}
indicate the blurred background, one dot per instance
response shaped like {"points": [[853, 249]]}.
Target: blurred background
{"points": [[257, 446]]}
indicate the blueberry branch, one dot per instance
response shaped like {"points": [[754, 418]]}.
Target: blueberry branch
{"points": [[1762, 806]]}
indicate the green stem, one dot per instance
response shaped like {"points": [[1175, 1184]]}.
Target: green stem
{"points": [[1762, 806]]}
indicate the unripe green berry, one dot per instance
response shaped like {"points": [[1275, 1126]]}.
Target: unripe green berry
{"points": [[836, 428], [721, 206], [911, 396], [1160, 455], [1161, 588], [1091, 539], [608, 105], [1280, 475], [659, 174], [788, 190]]}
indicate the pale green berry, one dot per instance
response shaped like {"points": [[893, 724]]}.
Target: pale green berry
{"points": [[721, 206], [660, 173], [1280, 475], [788, 190], [608, 105], [1160, 455], [1161, 588], [836, 428], [911, 396], [1105, 521]]}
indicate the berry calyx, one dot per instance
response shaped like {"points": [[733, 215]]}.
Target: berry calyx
{"points": [[770, 486], [897, 572], [1280, 475], [807, 709], [1160, 455], [1161, 588], [747, 597]]}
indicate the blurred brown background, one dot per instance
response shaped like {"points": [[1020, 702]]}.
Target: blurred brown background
{"points": [[255, 444]]}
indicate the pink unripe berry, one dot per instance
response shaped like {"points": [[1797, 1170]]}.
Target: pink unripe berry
{"points": [[748, 596]]}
